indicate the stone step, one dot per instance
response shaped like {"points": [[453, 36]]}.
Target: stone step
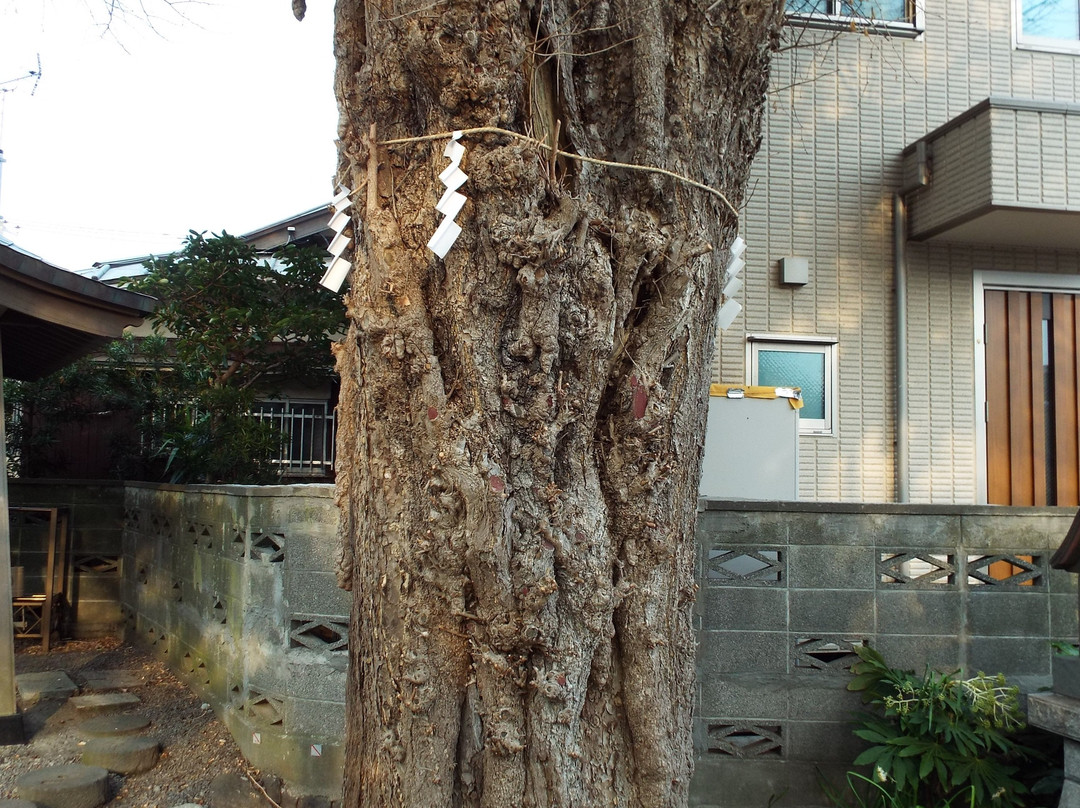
{"points": [[70, 786], [110, 680], [129, 754], [17, 804], [97, 703], [35, 687], [110, 726]]}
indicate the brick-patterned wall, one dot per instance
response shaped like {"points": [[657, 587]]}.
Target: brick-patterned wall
{"points": [[840, 113]]}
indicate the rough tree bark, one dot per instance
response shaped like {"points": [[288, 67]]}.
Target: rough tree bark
{"points": [[521, 423]]}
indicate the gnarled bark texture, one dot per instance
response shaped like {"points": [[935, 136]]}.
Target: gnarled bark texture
{"points": [[521, 423]]}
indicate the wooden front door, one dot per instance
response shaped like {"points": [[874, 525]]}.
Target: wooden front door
{"points": [[1032, 417]]}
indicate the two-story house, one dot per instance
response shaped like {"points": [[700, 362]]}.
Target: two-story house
{"points": [[913, 264], [914, 250]]}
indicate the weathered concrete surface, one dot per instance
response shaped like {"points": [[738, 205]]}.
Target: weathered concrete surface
{"points": [[234, 587], [35, 687], [70, 786], [111, 680], [108, 726], [104, 703]]}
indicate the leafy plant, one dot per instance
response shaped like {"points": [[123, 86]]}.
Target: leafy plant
{"points": [[1065, 648], [866, 793], [936, 739], [240, 319], [233, 326]]}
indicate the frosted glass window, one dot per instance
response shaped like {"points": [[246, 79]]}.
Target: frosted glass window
{"points": [[796, 369], [807, 364]]}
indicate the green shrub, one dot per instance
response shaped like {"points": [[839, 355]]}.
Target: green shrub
{"points": [[936, 739]]}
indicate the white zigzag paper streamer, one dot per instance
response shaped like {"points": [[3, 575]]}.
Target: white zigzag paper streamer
{"points": [[339, 268], [452, 202]]}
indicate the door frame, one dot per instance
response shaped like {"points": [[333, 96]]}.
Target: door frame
{"points": [[983, 280]]}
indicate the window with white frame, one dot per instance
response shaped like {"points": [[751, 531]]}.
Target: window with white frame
{"points": [[808, 363], [896, 16], [1049, 24]]}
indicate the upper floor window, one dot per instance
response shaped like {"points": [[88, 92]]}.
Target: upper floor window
{"points": [[1049, 24], [888, 16]]}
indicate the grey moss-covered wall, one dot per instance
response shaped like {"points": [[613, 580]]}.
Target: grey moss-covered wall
{"points": [[234, 588]]}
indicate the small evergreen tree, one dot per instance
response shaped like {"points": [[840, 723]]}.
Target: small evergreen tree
{"points": [[231, 325]]}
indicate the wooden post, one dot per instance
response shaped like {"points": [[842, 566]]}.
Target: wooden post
{"points": [[10, 720], [50, 589]]}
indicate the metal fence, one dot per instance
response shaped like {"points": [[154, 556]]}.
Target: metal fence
{"points": [[308, 429]]}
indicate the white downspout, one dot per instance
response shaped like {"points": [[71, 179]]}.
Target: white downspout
{"points": [[900, 223]]}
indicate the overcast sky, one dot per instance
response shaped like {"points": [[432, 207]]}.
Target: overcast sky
{"points": [[133, 136]]}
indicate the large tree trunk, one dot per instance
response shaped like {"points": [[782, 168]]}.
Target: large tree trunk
{"points": [[521, 423]]}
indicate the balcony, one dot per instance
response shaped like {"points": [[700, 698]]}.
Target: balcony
{"points": [[1005, 172]]}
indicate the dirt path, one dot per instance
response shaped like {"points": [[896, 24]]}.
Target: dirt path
{"points": [[196, 746]]}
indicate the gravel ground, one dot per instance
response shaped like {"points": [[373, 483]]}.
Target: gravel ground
{"points": [[196, 747]]}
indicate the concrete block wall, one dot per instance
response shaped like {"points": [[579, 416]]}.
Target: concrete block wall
{"points": [[787, 589], [234, 587]]}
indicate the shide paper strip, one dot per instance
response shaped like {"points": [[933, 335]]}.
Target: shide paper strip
{"points": [[339, 268], [452, 202]]}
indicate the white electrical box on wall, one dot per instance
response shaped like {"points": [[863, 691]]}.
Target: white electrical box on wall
{"points": [[795, 271]]}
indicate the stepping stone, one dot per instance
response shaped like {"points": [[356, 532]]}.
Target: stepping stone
{"points": [[104, 702], [17, 804], [35, 687], [130, 754], [110, 726], [233, 790], [110, 680], [68, 786]]}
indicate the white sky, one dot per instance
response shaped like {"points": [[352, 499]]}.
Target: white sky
{"points": [[225, 121]]}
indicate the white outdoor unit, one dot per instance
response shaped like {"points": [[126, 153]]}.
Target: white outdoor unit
{"points": [[751, 447]]}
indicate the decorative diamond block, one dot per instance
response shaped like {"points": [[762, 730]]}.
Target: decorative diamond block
{"points": [[97, 563], [200, 534], [919, 569], [268, 545], [319, 633], [826, 653], [746, 740], [1005, 570], [264, 709], [757, 567]]}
